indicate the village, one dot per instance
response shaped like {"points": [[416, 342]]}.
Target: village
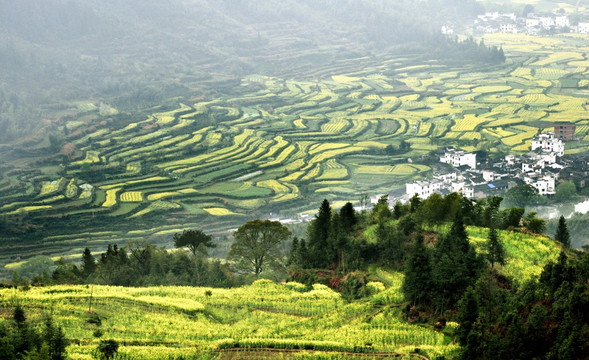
{"points": [[461, 172], [531, 23], [542, 167]]}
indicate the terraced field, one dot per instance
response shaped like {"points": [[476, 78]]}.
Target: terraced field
{"points": [[190, 322], [281, 144]]}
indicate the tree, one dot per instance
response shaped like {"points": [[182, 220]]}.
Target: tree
{"points": [[523, 195], [194, 240], [511, 217], [418, 274], [467, 315], [381, 211], [141, 253], [534, 224], [455, 266], [256, 245], [496, 252], [348, 217], [565, 191], [55, 339], [108, 348], [562, 233], [88, 263], [36, 265], [318, 237]]}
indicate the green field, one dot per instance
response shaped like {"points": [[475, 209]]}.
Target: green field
{"points": [[214, 161], [169, 322], [288, 320]]}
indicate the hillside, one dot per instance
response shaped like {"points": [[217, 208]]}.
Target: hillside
{"points": [[136, 54], [263, 319], [275, 144]]}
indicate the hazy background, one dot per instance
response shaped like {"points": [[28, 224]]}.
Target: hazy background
{"points": [[136, 53]]}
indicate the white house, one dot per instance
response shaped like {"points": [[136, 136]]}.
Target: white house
{"points": [[447, 177], [561, 21], [533, 166], [490, 175], [510, 159], [423, 189], [547, 142], [583, 28], [459, 158], [532, 23], [546, 21], [447, 30], [468, 191], [544, 184], [508, 28]]}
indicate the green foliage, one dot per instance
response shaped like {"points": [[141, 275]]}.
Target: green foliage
{"points": [[20, 339], [36, 265], [88, 263], [545, 319], [534, 224], [510, 218], [495, 250], [318, 237], [195, 240], [108, 348], [456, 266], [381, 211], [565, 191], [418, 284], [562, 233], [523, 195], [256, 245]]}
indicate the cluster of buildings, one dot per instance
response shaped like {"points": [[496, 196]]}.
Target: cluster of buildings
{"points": [[540, 168], [495, 22]]}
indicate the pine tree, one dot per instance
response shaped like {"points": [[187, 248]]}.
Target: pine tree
{"points": [[562, 233], [348, 217], [455, 267], [467, 315], [418, 274], [303, 255], [88, 263], [496, 251], [318, 237], [293, 253]]}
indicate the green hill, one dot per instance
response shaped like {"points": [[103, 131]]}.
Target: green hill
{"points": [[260, 320]]}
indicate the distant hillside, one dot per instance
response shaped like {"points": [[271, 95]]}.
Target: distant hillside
{"points": [[137, 53]]}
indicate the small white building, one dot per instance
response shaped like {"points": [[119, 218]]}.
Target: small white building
{"points": [[510, 159], [423, 189], [459, 158], [533, 166], [468, 191], [544, 184], [562, 21], [447, 177], [583, 28], [508, 28], [532, 23], [490, 175], [548, 143], [547, 22], [447, 30]]}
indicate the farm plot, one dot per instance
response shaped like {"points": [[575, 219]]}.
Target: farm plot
{"points": [[131, 196], [284, 140]]}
